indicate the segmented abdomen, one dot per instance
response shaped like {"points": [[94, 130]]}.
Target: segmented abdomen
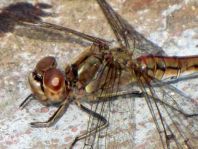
{"points": [[164, 66]]}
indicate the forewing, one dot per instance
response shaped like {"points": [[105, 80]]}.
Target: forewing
{"points": [[25, 19], [126, 35], [62, 33]]}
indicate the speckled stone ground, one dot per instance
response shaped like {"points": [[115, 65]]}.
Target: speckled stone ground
{"points": [[173, 25]]}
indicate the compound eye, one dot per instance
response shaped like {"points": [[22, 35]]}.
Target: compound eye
{"points": [[53, 79], [54, 86], [45, 64]]}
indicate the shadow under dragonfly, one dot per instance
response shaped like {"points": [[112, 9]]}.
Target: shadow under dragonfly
{"points": [[23, 11], [13, 16]]}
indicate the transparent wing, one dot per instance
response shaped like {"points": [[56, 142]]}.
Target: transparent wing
{"points": [[126, 35], [25, 19], [120, 131], [161, 117], [175, 115], [119, 112]]}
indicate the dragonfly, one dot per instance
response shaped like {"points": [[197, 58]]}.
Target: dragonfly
{"points": [[106, 76]]}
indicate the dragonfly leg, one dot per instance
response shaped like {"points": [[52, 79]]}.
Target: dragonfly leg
{"points": [[94, 130], [54, 118], [134, 93], [26, 101]]}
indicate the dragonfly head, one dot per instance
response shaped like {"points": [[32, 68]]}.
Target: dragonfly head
{"points": [[47, 82]]}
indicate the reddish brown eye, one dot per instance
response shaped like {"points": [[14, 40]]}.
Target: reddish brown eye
{"points": [[44, 64], [53, 79], [54, 85]]}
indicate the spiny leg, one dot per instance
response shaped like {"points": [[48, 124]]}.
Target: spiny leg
{"points": [[94, 130], [134, 93], [26, 101], [141, 94], [54, 118]]}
